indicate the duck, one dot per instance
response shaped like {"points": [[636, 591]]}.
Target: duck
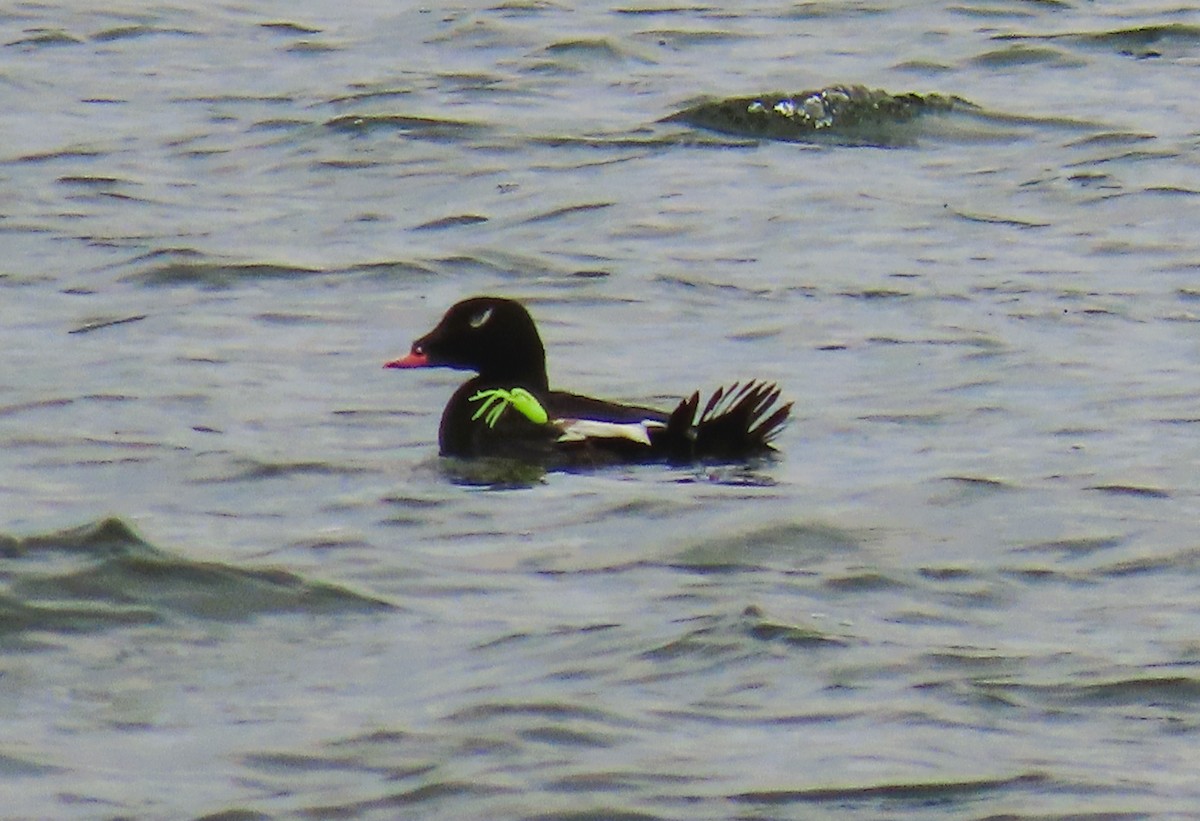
{"points": [[508, 410]]}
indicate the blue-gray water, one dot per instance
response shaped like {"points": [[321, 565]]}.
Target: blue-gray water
{"points": [[238, 582]]}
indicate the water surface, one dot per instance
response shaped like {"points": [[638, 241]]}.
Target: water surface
{"points": [[238, 581]]}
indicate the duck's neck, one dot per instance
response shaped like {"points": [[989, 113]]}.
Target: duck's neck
{"points": [[520, 363], [528, 378]]}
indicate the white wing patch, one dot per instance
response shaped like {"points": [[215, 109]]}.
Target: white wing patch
{"points": [[579, 430]]}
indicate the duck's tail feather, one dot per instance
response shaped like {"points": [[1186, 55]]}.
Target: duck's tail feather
{"points": [[736, 422]]}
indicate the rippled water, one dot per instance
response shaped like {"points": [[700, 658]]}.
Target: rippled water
{"points": [[238, 582]]}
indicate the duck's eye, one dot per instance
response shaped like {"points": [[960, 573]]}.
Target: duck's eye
{"points": [[417, 349], [478, 320]]}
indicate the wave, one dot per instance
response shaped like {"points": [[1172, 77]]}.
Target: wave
{"points": [[102, 575]]}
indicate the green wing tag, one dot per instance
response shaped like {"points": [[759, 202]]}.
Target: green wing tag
{"points": [[497, 400]]}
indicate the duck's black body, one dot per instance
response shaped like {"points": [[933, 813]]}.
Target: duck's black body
{"points": [[497, 338]]}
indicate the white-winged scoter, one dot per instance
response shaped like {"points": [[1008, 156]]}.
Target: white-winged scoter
{"points": [[508, 409]]}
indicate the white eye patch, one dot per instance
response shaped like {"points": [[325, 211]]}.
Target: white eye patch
{"points": [[478, 320]]}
